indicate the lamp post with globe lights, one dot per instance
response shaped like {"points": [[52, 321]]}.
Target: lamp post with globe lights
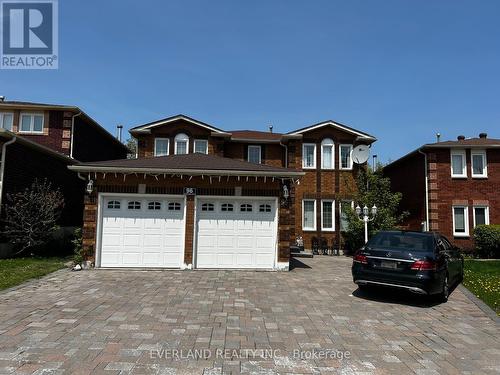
{"points": [[364, 215]]}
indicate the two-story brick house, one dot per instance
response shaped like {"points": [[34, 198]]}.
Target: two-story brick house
{"points": [[450, 186], [199, 196], [39, 141]]}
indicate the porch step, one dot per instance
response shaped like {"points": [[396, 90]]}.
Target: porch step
{"points": [[301, 254]]}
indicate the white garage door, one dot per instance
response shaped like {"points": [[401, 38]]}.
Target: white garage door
{"points": [[236, 233], [140, 231]]}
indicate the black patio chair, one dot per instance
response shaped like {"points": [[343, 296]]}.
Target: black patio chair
{"points": [[314, 245], [323, 245]]}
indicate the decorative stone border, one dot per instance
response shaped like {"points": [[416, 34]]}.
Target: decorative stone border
{"points": [[484, 307]]}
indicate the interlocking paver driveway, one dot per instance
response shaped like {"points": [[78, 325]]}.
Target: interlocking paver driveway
{"points": [[133, 321]]}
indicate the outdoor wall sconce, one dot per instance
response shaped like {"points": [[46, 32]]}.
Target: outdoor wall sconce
{"points": [[90, 186], [284, 196]]}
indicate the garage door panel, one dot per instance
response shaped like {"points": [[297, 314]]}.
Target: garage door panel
{"points": [[231, 239], [143, 237]]}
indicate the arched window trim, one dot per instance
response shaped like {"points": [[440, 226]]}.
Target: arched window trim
{"points": [[181, 137]]}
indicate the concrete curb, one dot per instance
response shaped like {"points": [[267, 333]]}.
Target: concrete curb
{"points": [[32, 281], [484, 307]]}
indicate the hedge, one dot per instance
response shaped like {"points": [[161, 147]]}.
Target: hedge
{"points": [[487, 241]]}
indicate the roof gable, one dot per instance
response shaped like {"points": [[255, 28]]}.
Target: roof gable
{"points": [[146, 127], [335, 125]]}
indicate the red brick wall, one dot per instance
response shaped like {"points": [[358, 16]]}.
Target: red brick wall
{"points": [[449, 191], [408, 177], [271, 154], [322, 184]]}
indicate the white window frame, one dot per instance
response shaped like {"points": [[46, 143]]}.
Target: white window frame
{"points": [[349, 167], [464, 163], [181, 137], [199, 141], [466, 221], [351, 203], [260, 153], [486, 213], [332, 229], [168, 146], [313, 228], [32, 122], [327, 142], [2, 118], [304, 145], [481, 153]]}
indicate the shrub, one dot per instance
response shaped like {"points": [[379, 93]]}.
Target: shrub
{"points": [[487, 241], [78, 247]]}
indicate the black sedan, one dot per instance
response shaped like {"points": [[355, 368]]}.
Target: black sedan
{"points": [[421, 262]]}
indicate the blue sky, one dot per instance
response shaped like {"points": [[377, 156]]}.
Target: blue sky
{"points": [[400, 70]]}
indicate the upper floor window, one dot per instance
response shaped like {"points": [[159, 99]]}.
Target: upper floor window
{"points": [[161, 146], [181, 144], [458, 166], [481, 215], [254, 154], [479, 165], [6, 120], [460, 221], [201, 146], [345, 157], [309, 155], [31, 123], [327, 158]]}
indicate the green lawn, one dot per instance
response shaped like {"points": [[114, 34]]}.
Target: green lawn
{"points": [[17, 271], [483, 279]]}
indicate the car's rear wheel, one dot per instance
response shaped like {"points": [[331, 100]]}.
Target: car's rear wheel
{"points": [[445, 291]]}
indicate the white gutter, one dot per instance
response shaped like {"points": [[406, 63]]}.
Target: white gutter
{"points": [[193, 172], [72, 133], [2, 168], [427, 228]]}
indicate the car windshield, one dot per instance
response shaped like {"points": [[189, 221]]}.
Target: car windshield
{"points": [[418, 242]]}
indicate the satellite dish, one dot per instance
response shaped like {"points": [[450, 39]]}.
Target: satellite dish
{"points": [[360, 154]]}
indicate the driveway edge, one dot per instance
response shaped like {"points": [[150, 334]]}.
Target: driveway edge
{"points": [[32, 281], [483, 306]]}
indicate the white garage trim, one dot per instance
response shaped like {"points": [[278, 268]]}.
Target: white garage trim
{"points": [[276, 265], [100, 204]]}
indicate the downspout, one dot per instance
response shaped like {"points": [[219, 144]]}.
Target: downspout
{"points": [[286, 153], [427, 228], [2, 168], [72, 132]]}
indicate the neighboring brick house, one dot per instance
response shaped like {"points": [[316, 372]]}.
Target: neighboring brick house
{"points": [[39, 141], [450, 186], [199, 196], [65, 129]]}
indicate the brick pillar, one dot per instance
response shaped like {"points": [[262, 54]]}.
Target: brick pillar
{"points": [[285, 227], [89, 226], [188, 242]]}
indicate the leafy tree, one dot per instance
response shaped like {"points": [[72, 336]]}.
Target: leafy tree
{"points": [[132, 147], [31, 215], [373, 189]]}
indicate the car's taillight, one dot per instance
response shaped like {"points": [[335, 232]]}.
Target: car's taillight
{"points": [[424, 265], [360, 258]]}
